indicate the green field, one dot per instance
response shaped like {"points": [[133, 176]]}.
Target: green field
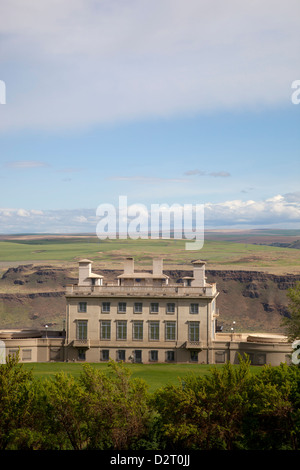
{"points": [[155, 375], [110, 253]]}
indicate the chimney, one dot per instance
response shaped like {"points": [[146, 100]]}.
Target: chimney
{"points": [[199, 274], [157, 266], [129, 266], [85, 269]]}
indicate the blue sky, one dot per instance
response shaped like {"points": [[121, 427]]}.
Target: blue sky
{"points": [[161, 101]]}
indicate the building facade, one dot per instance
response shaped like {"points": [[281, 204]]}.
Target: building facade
{"points": [[143, 317]]}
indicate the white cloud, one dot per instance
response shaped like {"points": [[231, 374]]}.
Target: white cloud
{"points": [[149, 179], [216, 174], [277, 211], [272, 211], [25, 164], [73, 63]]}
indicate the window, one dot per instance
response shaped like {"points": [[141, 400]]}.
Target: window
{"points": [[121, 355], [81, 332], [121, 329], [154, 307], [13, 352], [105, 307], [194, 308], [219, 357], [122, 307], [170, 356], [137, 332], [154, 330], [194, 356], [105, 355], [194, 331], [138, 356], [82, 307], [81, 354], [171, 308], [105, 329], [26, 354], [138, 307], [153, 356], [170, 329]]}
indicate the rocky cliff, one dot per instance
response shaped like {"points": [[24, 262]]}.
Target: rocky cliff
{"points": [[32, 296]]}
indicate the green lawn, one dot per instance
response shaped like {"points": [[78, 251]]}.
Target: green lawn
{"points": [[156, 375]]}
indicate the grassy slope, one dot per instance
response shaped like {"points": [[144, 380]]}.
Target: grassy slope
{"points": [[156, 375], [110, 253]]}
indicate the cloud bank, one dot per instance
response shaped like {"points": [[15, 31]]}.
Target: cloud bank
{"points": [[279, 211], [74, 63]]}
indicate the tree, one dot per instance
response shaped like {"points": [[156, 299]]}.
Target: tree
{"points": [[273, 419], [15, 401], [116, 406], [231, 408], [98, 410], [292, 323], [206, 412]]}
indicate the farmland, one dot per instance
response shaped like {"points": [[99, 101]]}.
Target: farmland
{"points": [[220, 251]]}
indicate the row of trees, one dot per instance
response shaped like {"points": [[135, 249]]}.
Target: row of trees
{"points": [[229, 408]]}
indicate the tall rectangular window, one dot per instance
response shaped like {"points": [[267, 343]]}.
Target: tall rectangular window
{"points": [[154, 330], [81, 332], [137, 330], [82, 307], [105, 329], [121, 329], [170, 331], [194, 331]]}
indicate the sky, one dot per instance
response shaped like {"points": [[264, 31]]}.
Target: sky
{"points": [[161, 101]]}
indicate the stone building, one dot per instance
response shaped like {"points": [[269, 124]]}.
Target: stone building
{"points": [[143, 317]]}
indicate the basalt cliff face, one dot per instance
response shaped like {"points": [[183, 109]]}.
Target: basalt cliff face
{"points": [[32, 296]]}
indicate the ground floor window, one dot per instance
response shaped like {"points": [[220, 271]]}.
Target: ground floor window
{"points": [[153, 356], [26, 355], [104, 355], [121, 355], [194, 356], [170, 356], [138, 356], [81, 354], [219, 357]]}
